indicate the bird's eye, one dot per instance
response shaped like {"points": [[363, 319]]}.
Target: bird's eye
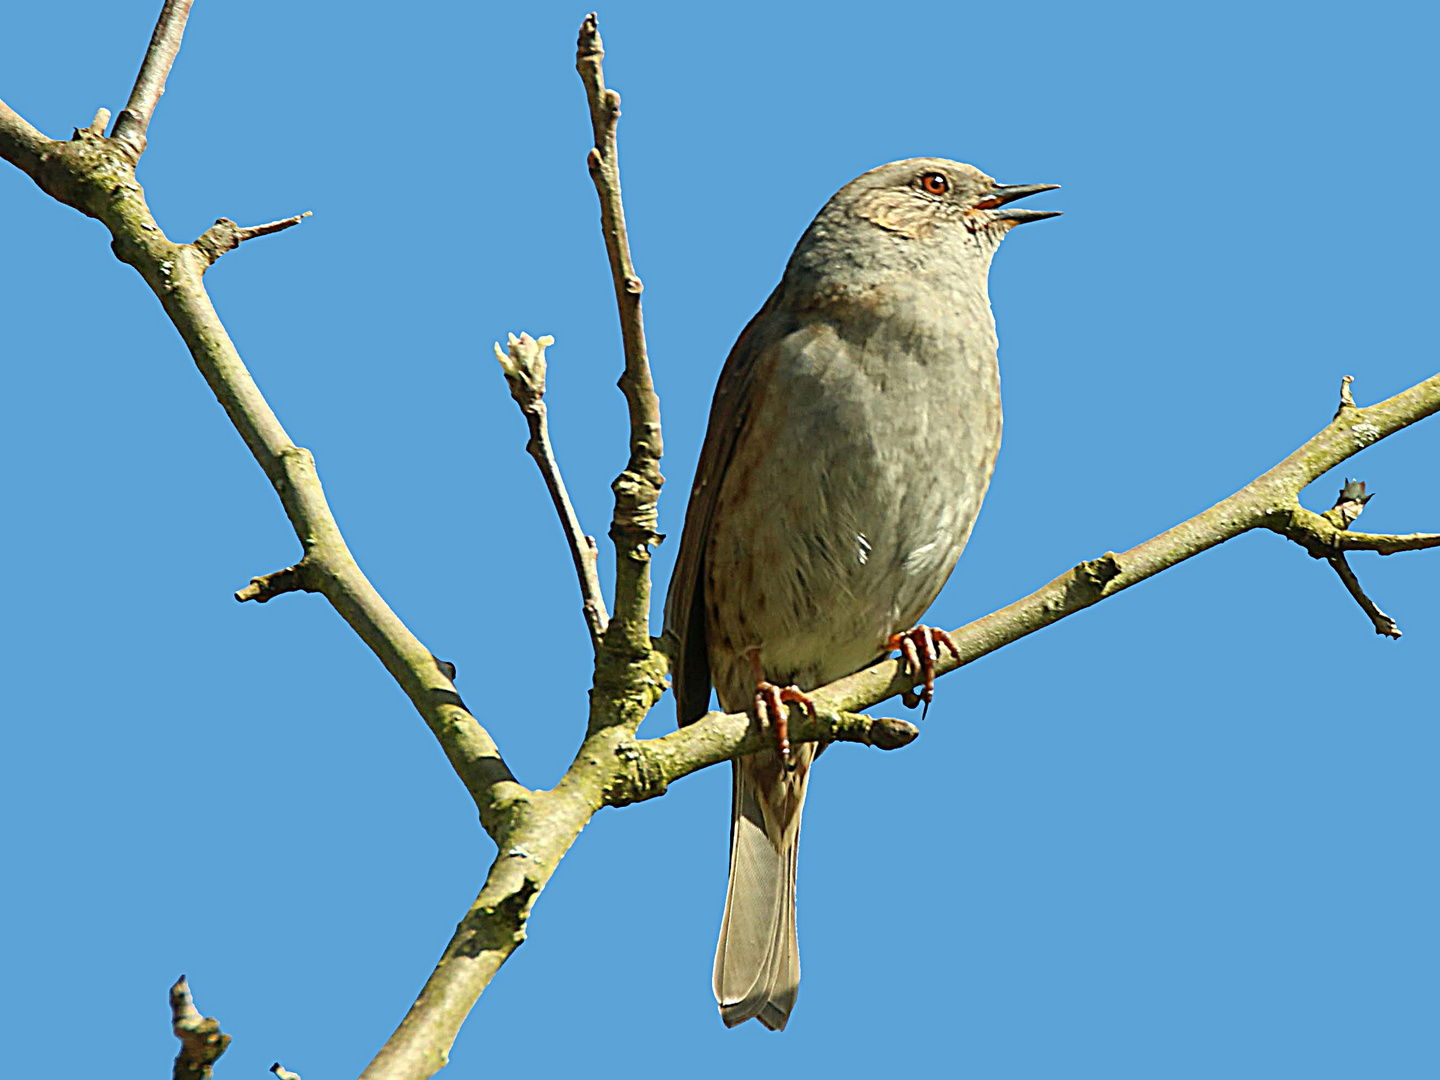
{"points": [[935, 183]]}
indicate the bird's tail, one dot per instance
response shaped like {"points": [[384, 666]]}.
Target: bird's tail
{"points": [[757, 962]]}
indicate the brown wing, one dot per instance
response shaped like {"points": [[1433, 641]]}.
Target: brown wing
{"points": [[685, 600]]}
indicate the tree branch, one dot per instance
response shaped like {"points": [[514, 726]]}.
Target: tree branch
{"points": [[1271, 502], [1388, 545], [225, 235], [637, 489], [201, 1040], [717, 737], [524, 368], [88, 174], [1384, 625], [21, 144], [265, 588], [134, 120], [492, 930], [613, 769], [629, 673], [609, 770]]}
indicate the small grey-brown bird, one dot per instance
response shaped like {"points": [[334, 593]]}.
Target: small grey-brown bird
{"points": [[851, 440]]}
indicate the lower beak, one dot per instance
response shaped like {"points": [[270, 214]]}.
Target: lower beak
{"points": [[1008, 193]]}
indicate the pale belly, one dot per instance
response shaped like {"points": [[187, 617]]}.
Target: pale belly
{"points": [[838, 526]]}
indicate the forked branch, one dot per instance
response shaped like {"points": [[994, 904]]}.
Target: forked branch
{"points": [[96, 175]]}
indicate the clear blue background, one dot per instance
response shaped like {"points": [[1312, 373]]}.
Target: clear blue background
{"points": [[1187, 834]]}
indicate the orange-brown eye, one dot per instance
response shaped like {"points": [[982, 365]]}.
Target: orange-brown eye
{"points": [[935, 183]]}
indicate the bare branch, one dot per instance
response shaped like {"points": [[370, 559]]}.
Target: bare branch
{"points": [[717, 737], [201, 1040], [225, 235], [1347, 400], [1387, 544], [1324, 535], [637, 489], [21, 144], [610, 770], [1384, 625], [86, 173], [1349, 505], [268, 586], [545, 823], [629, 673], [134, 120], [524, 367], [1269, 502]]}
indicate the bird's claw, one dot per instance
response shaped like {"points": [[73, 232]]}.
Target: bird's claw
{"points": [[770, 702], [917, 646]]}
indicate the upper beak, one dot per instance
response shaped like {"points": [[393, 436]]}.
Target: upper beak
{"points": [[1006, 193]]}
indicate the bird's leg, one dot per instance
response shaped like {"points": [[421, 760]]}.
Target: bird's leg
{"points": [[917, 646], [770, 701]]}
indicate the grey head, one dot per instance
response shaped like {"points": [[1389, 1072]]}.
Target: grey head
{"points": [[907, 218]]}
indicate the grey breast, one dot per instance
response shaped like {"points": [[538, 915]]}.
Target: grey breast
{"points": [[885, 430]]}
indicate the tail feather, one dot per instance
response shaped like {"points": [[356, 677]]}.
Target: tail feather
{"points": [[757, 960]]}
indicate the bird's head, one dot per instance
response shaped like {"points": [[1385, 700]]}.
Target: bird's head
{"points": [[908, 218], [919, 198]]}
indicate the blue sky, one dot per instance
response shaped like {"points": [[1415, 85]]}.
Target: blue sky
{"points": [[1187, 834]]}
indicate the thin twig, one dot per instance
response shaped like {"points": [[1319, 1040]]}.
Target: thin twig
{"points": [[1387, 544], [225, 235], [1325, 534], [1384, 625], [637, 489], [265, 588], [134, 120], [524, 366], [1347, 399]]}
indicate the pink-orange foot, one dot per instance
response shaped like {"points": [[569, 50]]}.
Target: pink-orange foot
{"points": [[770, 702], [917, 646]]}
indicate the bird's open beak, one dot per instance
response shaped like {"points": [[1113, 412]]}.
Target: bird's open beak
{"points": [[1008, 193]]}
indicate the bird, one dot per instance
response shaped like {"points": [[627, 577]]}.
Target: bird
{"points": [[850, 442]]}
